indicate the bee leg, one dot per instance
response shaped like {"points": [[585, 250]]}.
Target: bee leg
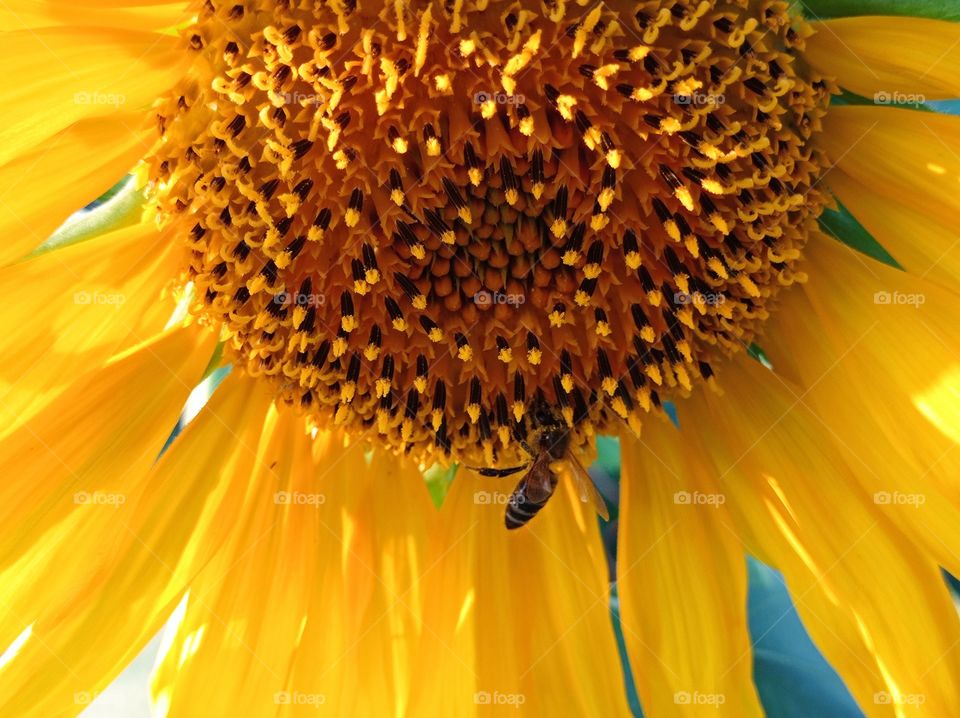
{"points": [[498, 473], [521, 439]]}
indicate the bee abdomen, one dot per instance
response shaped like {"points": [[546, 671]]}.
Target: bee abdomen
{"points": [[520, 510]]}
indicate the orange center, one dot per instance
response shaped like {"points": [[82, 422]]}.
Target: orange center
{"points": [[414, 219]]}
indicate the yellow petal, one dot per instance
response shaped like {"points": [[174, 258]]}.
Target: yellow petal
{"points": [[66, 312], [874, 602], [901, 158], [245, 610], [359, 644], [128, 14], [100, 585], [898, 172], [924, 244], [516, 618], [106, 427], [77, 73], [47, 183], [888, 56], [683, 583], [875, 352]]}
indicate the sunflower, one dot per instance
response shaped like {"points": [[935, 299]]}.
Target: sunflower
{"points": [[723, 232]]}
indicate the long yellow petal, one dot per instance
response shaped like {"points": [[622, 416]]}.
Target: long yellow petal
{"points": [[358, 650], [245, 611], [66, 312], [890, 57], [516, 618], [873, 601], [898, 172], [683, 582], [132, 15], [78, 73], [111, 576], [902, 157], [47, 183], [875, 352], [104, 430], [924, 244]]}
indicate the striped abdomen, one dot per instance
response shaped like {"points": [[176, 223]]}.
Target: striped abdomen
{"points": [[527, 500]]}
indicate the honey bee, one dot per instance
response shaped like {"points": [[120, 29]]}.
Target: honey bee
{"points": [[549, 448]]}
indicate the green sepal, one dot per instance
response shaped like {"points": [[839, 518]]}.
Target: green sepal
{"points": [[844, 227]]}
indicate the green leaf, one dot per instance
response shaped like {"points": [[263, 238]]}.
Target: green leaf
{"points": [[608, 456], [198, 398], [214, 363], [110, 193], [438, 479], [843, 226], [936, 9], [756, 351], [792, 676], [121, 206], [605, 472], [946, 107], [633, 698], [851, 98]]}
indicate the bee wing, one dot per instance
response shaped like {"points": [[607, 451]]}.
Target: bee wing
{"points": [[586, 489], [539, 481]]}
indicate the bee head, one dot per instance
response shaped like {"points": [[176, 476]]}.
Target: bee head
{"points": [[541, 413]]}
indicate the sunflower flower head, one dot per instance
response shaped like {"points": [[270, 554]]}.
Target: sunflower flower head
{"points": [[417, 218], [428, 252]]}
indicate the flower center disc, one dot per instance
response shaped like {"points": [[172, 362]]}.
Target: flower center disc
{"points": [[414, 218]]}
